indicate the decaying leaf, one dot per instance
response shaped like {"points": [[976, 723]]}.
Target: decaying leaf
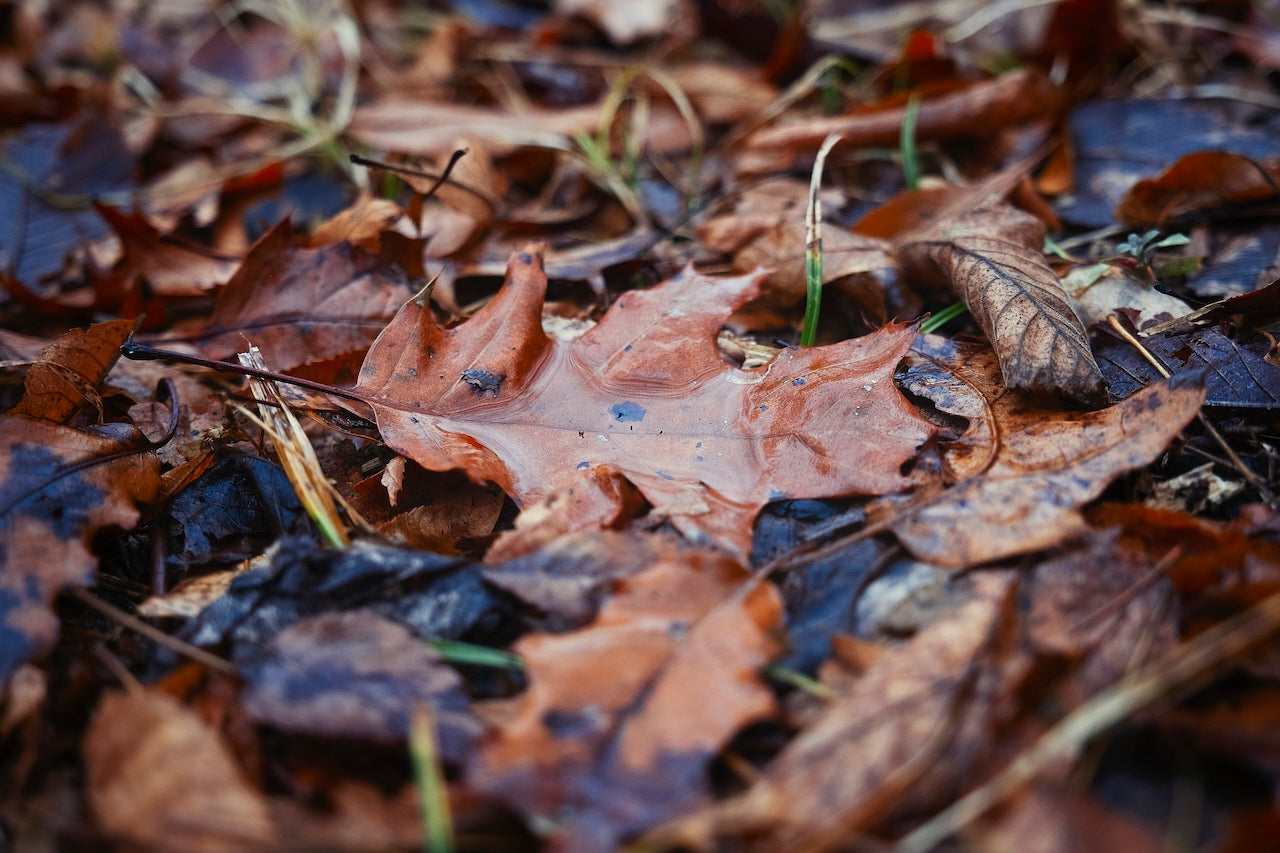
{"points": [[991, 256], [1039, 464], [591, 753], [59, 487], [646, 393], [68, 372], [354, 675], [161, 778], [869, 747], [766, 229]]}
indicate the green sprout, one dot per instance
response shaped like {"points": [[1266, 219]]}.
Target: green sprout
{"points": [[1139, 250]]}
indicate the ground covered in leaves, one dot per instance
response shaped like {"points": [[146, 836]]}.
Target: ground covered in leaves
{"points": [[655, 425]]}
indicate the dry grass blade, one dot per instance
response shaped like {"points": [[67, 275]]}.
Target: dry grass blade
{"points": [[296, 453]]}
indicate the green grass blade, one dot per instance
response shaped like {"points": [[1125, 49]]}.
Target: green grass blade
{"points": [[943, 317], [813, 247], [433, 793], [907, 144]]}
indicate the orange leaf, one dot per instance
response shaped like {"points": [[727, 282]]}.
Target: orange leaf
{"points": [[69, 371], [1199, 181], [646, 393], [622, 717]]}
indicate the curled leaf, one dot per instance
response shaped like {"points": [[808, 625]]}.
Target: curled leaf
{"points": [[991, 257]]}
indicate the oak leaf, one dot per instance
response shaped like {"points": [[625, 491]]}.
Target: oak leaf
{"points": [[646, 393]]}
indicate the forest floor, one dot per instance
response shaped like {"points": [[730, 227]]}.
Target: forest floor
{"points": [[653, 425]]}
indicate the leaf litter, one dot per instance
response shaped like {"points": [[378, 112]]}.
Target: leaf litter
{"points": [[628, 565]]}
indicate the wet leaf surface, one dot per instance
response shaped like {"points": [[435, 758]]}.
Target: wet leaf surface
{"points": [[646, 393], [354, 675], [630, 568]]}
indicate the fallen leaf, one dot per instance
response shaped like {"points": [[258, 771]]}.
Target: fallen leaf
{"points": [[980, 109], [67, 374], [591, 751], [1038, 465], [430, 594], [1120, 141], [1199, 182], [59, 488], [163, 265], [646, 392], [1235, 369], [991, 256], [160, 778], [354, 675], [601, 499], [869, 747], [299, 305], [79, 161]]}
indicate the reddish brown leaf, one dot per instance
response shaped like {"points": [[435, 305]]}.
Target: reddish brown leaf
{"points": [[69, 371], [992, 258], [59, 488], [1036, 466], [301, 305], [168, 268], [595, 748], [1200, 181], [160, 778], [645, 392], [981, 109]]}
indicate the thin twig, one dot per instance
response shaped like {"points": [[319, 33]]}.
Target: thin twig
{"points": [[1236, 462], [157, 636]]}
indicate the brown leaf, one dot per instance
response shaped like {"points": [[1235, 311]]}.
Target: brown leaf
{"points": [[168, 267], [59, 488], [622, 717], [981, 109], [991, 256], [1038, 465], [68, 372], [843, 772], [645, 392], [355, 675], [300, 305], [160, 778], [766, 228], [1200, 181]]}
